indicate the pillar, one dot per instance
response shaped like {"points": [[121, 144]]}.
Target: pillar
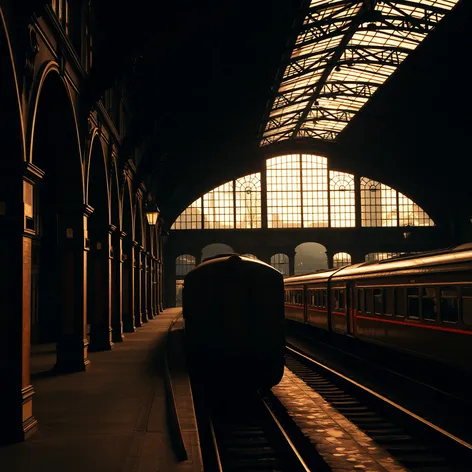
{"points": [[72, 345], [16, 233], [101, 338], [149, 306], [144, 282], [117, 287], [128, 285], [138, 316]]}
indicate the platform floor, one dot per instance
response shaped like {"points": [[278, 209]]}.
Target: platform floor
{"points": [[111, 418]]}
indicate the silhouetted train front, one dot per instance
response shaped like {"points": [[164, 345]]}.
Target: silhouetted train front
{"points": [[233, 308], [421, 304]]}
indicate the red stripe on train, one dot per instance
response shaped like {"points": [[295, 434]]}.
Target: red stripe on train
{"points": [[416, 325]]}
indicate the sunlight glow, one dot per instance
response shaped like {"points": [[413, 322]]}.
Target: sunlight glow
{"points": [[302, 192]]}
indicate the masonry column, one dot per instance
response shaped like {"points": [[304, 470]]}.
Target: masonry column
{"points": [[149, 286], [117, 288], [138, 316], [16, 233], [291, 262], [155, 292], [100, 296], [144, 286], [128, 285], [72, 240]]}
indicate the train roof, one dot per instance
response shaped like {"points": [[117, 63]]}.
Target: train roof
{"points": [[453, 257]]}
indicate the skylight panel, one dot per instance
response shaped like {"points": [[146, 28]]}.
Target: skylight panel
{"points": [[345, 51]]}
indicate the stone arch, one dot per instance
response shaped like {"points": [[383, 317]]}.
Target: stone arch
{"points": [[214, 249], [310, 257], [99, 269], [13, 127], [51, 69], [55, 148]]}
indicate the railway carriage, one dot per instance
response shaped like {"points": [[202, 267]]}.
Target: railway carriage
{"points": [[421, 304], [233, 309]]}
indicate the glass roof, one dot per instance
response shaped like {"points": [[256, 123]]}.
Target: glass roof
{"points": [[344, 52]]}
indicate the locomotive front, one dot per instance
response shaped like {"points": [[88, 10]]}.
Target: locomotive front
{"points": [[234, 316]]}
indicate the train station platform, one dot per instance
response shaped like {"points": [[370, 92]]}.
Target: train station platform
{"points": [[116, 417]]}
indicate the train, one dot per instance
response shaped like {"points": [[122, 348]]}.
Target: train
{"points": [[233, 311], [420, 304]]}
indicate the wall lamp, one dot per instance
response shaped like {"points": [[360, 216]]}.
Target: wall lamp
{"points": [[152, 214]]}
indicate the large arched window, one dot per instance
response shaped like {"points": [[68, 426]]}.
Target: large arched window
{"points": [[341, 259], [301, 192], [281, 263]]}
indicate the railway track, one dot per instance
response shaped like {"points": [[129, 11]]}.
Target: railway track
{"points": [[244, 431], [413, 441]]}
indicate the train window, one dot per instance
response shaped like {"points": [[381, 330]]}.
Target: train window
{"points": [[467, 305], [324, 298], [413, 302], [388, 301], [318, 298], [342, 299], [429, 303], [400, 304], [378, 302], [369, 302], [360, 300], [449, 305], [335, 300]]}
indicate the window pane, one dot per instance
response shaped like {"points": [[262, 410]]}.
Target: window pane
{"points": [[369, 302], [400, 301], [413, 303], [467, 305], [378, 308], [248, 201], [389, 307], [429, 303], [449, 305], [342, 299], [342, 199]]}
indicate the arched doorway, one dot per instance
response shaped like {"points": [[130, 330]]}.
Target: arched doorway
{"points": [[99, 267], [214, 249], [60, 259], [310, 257], [280, 262]]}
